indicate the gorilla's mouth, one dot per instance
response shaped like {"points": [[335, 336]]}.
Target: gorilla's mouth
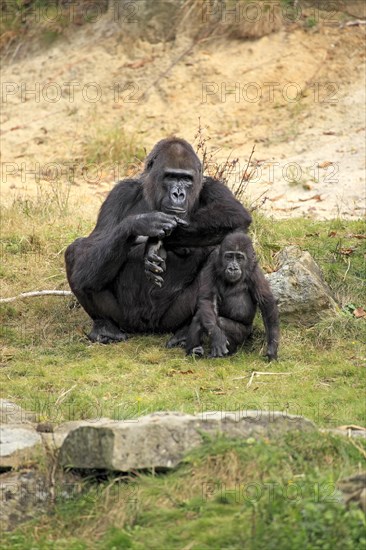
{"points": [[176, 210], [233, 276]]}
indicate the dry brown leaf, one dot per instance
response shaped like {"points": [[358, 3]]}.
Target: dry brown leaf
{"points": [[356, 236], [276, 198], [173, 372], [137, 64], [346, 251], [287, 209], [313, 198], [332, 233], [359, 313]]}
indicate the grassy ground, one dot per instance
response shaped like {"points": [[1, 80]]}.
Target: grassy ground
{"points": [[227, 495], [48, 366]]}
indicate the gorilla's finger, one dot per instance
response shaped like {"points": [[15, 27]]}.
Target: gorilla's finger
{"points": [[218, 351], [153, 278], [181, 222], [168, 228], [153, 268], [155, 259]]}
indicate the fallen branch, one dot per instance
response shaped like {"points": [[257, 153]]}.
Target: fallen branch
{"points": [[355, 23], [258, 373], [37, 293]]}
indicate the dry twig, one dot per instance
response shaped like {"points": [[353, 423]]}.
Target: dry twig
{"points": [[258, 373], [36, 293]]}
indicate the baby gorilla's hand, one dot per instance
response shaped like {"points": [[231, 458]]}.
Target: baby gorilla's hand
{"points": [[154, 261]]}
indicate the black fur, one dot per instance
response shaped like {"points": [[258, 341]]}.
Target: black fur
{"points": [[232, 285], [107, 270]]}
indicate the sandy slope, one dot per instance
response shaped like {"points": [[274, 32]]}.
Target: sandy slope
{"points": [[308, 125]]}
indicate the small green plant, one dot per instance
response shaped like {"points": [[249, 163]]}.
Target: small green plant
{"points": [[310, 22], [49, 36]]}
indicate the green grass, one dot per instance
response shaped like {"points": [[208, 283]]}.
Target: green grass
{"points": [[47, 365], [228, 494], [45, 352], [113, 145]]}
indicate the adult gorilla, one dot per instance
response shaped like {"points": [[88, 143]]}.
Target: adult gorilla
{"points": [[170, 201]]}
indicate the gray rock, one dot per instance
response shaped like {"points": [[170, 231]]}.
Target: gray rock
{"points": [[55, 440], [11, 413], [27, 493], [354, 489], [161, 440], [22, 443], [18, 444], [23, 496], [298, 286]]}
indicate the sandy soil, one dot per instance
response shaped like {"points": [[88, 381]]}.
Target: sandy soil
{"points": [[298, 96]]}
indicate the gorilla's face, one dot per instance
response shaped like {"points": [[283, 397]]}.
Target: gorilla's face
{"points": [[237, 257], [233, 264], [177, 186], [173, 178]]}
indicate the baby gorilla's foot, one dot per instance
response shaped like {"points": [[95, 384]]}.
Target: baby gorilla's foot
{"points": [[178, 340], [198, 351]]}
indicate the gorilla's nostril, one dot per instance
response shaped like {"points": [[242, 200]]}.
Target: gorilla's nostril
{"points": [[178, 196]]}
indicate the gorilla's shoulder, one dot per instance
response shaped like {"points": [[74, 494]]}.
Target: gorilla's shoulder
{"points": [[124, 195], [214, 189], [127, 187], [125, 192]]}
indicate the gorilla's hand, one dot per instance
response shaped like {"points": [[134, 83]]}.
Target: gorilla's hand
{"points": [[219, 343], [272, 352], [154, 262], [154, 224]]}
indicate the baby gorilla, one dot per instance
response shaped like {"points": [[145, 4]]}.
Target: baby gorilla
{"points": [[232, 285]]}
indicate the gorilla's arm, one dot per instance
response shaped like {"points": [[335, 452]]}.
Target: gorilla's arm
{"points": [[206, 317], [262, 294], [92, 262], [217, 214]]}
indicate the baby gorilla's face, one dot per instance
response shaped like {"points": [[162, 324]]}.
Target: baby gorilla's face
{"points": [[233, 262]]}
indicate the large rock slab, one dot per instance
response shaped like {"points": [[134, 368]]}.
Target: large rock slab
{"points": [[161, 440], [299, 288], [19, 443]]}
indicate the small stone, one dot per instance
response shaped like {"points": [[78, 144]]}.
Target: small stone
{"points": [[299, 288]]}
